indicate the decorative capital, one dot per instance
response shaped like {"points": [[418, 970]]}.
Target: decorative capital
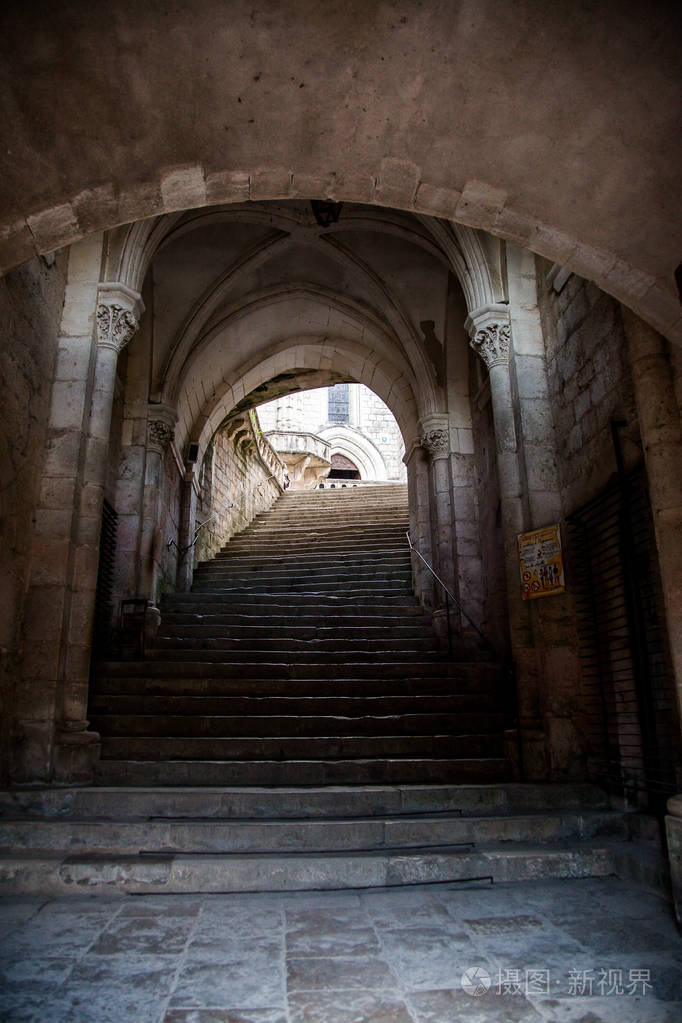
{"points": [[118, 314], [490, 333], [492, 344], [436, 443], [115, 326], [161, 421]]}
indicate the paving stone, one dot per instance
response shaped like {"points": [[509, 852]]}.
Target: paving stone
{"points": [[158, 935], [427, 957], [225, 1016], [252, 983], [454, 1005], [110, 990], [338, 973], [375, 1007]]}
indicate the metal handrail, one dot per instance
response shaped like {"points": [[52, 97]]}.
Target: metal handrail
{"points": [[449, 595], [183, 550]]}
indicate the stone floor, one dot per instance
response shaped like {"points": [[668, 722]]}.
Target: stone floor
{"points": [[526, 952]]}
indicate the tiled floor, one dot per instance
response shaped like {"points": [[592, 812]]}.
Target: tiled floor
{"points": [[419, 955]]}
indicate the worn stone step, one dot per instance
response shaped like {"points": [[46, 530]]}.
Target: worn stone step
{"points": [[402, 603], [259, 803], [258, 727], [380, 592], [340, 558], [308, 747], [330, 772], [320, 671], [321, 570], [252, 627], [183, 685], [303, 835], [340, 646], [182, 873], [256, 663], [287, 706]]}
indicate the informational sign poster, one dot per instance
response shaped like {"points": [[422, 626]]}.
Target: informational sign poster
{"points": [[541, 563]]}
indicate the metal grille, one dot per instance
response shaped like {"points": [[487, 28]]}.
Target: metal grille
{"points": [[337, 409], [105, 580], [628, 696]]}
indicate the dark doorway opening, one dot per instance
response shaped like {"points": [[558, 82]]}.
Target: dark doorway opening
{"points": [[343, 469]]}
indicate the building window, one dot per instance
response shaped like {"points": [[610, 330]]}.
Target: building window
{"points": [[337, 408]]}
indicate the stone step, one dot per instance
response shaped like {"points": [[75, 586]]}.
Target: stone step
{"points": [[303, 835], [251, 626], [268, 577], [238, 686], [333, 802], [203, 724], [323, 569], [256, 663], [330, 772], [403, 604], [340, 558], [357, 588], [288, 706], [304, 747], [338, 645], [388, 546], [320, 673], [184, 873]]}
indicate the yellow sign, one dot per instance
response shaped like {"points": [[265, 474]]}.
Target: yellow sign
{"points": [[541, 562]]}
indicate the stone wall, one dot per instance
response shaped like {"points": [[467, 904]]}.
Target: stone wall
{"points": [[378, 423], [31, 300], [590, 383], [236, 484]]}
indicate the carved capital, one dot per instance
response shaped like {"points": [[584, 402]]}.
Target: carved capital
{"points": [[161, 420], [490, 333], [436, 443], [492, 343], [159, 434], [115, 326]]}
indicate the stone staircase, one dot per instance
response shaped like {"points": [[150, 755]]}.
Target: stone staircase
{"points": [[301, 657], [297, 727], [184, 840]]}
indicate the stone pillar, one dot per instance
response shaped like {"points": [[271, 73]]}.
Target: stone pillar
{"points": [[188, 518], [161, 421], [118, 309], [490, 334], [416, 461], [436, 442], [659, 424], [97, 321]]}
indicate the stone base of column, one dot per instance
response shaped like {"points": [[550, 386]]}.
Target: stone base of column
{"points": [[673, 830], [534, 753], [75, 755]]}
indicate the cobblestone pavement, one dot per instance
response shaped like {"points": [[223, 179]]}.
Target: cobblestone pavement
{"points": [[567, 951]]}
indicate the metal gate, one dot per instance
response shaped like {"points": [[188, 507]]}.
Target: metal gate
{"points": [[628, 696]]}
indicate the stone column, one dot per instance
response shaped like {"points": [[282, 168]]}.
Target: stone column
{"points": [[490, 334], [659, 424], [117, 314], [416, 461], [161, 421], [188, 517], [436, 442]]}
